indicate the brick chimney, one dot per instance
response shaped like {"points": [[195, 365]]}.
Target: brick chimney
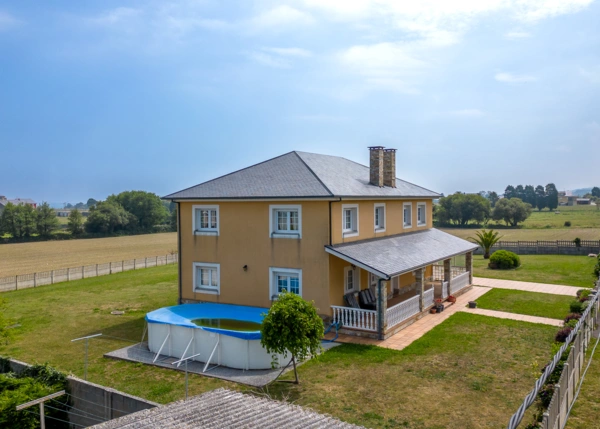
{"points": [[376, 165], [389, 167]]}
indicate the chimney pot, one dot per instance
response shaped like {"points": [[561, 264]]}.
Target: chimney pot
{"points": [[376, 165]]}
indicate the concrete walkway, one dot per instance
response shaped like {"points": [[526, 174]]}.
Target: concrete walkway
{"points": [[513, 316], [415, 331], [526, 286]]}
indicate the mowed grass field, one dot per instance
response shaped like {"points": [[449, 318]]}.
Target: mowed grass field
{"points": [[24, 258], [516, 234], [367, 385], [579, 216]]}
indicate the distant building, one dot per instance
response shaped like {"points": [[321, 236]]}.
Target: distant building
{"points": [[17, 202], [67, 212], [567, 200], [583, 201]]}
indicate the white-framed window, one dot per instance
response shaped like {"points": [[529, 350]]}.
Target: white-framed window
{"points": [[285, 221], [349, 220], [205, 220], [421, 214], [207, 278], [351, 279], [379, 217], [373, 283], [285, 280], [407, 215]]}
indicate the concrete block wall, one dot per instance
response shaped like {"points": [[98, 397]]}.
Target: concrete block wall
{"points": [[92, 403]]}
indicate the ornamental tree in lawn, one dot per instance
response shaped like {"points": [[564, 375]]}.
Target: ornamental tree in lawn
{"points": [[292, 326], [486, 239]]}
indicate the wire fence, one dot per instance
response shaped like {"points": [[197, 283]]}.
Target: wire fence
{"points": [[564, 393], [42, 278], [546, 247]]}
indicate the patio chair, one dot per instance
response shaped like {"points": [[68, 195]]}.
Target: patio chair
{"points": [[350, 300], [367, 299]]}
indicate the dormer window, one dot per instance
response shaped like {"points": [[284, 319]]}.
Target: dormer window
{"points": [[206, 220]]}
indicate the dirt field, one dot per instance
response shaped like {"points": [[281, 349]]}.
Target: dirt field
{"points": [[24, 258], [533, 234]]}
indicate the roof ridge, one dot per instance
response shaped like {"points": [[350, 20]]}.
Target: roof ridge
{"points": [[313, 173], [228, 174]]}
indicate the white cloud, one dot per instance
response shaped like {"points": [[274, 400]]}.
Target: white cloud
{"points": [[514, 78], [281, 58], [467, 113], [516, 35], [115, 16], [536, 10], [278, 19], [591, 74], [7, 21]]}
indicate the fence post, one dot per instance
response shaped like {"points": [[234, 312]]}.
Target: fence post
{"points": [[83, 271], [134, 264], [68, 274], [52, 277], [145, 262], [122, 265], [110, 268], [96, 270], [16, 282], [545, 419], [34, 279], [156, 263]]}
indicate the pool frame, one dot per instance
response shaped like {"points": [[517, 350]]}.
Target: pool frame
{"points": [[214, 346]]}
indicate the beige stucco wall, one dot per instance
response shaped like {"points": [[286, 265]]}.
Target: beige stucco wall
{"points": [[394, 223], [244, 239]]}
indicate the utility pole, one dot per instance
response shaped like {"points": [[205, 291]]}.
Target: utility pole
{"points": [[87, 339], [41, 402]]}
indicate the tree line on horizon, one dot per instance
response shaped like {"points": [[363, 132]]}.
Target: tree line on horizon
{"points": [[129, 212]]}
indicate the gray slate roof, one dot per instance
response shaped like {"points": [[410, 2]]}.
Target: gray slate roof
{"points": [[300, 175], [223, 409], [403, 253]]}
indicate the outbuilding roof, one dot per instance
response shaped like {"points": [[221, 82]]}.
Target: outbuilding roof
{"points": [[224, 409], [390, 256], [300, 175]]}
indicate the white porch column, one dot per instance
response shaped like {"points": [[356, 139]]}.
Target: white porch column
{"points": [[469, 266], [447, 274], [420, 278]]}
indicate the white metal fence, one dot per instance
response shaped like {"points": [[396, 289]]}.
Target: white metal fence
{"points": [[400, 312], [438, 272], [355, 318], [564, 395], [428, 298], [76, 273]]}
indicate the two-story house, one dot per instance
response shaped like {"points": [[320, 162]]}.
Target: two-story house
{"points": [[354, 239]]}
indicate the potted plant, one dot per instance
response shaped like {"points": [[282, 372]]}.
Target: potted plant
{"points": [[433, 310], [452, 299]]}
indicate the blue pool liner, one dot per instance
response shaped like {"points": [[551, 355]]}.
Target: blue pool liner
{"points": [[182, 315]]}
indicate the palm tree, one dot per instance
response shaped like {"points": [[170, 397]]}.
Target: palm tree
{"points": [[486, 239]]}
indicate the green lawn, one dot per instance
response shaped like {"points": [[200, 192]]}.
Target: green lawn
{"points": [[579, 216], [51, 316], [446, 379], [529, 303], [552, 269], [371, 386], [587, 406]]}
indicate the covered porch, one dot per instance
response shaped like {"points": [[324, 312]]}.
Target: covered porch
{"points": [[406, 275]]}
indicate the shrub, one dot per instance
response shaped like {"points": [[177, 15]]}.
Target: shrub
{"points": [[568, 223], [504, 260], [562, 334], [545, 394], [577, 242], [584, 294], [572, 323], [572, 316], [576, 307]]}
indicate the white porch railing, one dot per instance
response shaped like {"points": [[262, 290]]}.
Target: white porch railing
{"points": [[428, 299], [400, 312], [457, 271], [438, 272], [355, 318], [444, 290], [459, 282]]}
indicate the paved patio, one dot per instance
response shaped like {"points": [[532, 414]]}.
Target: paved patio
{"points": [[526, 286], [514, 316]]}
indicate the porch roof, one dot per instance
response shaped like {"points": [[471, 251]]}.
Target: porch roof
{"points": [[390, 256]]}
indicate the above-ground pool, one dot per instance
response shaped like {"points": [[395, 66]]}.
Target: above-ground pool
{"points": [[222, 334]]}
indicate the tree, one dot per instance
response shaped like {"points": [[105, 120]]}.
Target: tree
{"points": [[5, 334], [551, 196], [486, 239], [109, 217], [509, 192], [596, 192], [529, 195], [68, 205], [512, 211], [75, 222], [540, 197], [80, 206], [10, 222], [46, 220], [293, 326], [91, 203], [28, 217], [519, 192], [173, 219], [147, 207], [460, 209]]}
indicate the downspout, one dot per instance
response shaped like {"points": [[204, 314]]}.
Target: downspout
{"points": [[379, 307], [179, 301]]}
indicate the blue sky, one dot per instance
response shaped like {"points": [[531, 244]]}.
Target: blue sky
{"points": [[97, 97]]}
